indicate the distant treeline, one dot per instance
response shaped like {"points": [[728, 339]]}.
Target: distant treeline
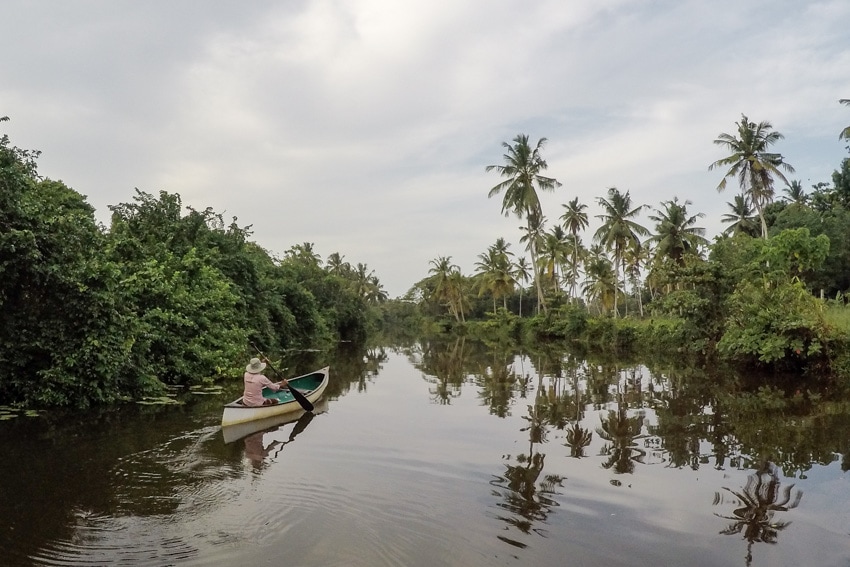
{"points": [[166, 295], [770, 292]]}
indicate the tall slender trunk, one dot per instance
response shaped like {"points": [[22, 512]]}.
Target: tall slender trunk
{"points": [[617, 280], [625, 289], [574, 275], [541, 303], [763, 222], [640, 302]]}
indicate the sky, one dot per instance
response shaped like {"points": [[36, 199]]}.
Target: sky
{"points": [[364, 127]]}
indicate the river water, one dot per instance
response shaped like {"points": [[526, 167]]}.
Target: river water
{"points": [[429, 456]]}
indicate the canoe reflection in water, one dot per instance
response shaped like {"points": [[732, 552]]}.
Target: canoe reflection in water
{"points": [[759, 501], [253, 434]]}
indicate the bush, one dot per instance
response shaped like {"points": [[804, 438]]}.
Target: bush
{"points": [[612, 334]]}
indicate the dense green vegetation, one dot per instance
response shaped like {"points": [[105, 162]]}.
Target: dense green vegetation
{"points": [[768, 293], [165, 296]]}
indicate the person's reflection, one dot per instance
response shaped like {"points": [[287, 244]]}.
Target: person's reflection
{"points": [[257, 452]]}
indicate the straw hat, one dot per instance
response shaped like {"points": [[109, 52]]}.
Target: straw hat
{"points": [[255, 367]]}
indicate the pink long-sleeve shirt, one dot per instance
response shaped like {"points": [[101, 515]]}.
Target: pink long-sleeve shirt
{"points": [[254, 384]]}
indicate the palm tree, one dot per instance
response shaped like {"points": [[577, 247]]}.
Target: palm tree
{"points": [[335, 264], [618, 230], [575, 220], [375, 292], [494, 272], [601, 284], [572, 265], [574, 217], [635, 258], [501, 247], [521, 276], [304, 253], [457, 294], [522, 173], [595, 253], [361, 276], [533, 240], [675, 233], [367, 285], [795, 193], [752, 163], [741, 218], [553, 253], [845, 134], [445, 283]]}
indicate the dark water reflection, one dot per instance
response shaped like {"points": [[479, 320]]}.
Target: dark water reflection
{"points": [[444, 453]]}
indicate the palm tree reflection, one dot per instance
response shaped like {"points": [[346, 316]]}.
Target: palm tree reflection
{"points": [[496, 389], [443, 365], [525, 494], [577, 439], [621, 431], [760, 499]]}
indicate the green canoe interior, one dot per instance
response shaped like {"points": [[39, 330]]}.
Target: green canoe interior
{"points": [[304, 384]]}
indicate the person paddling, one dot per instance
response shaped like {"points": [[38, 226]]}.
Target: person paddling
{"points": [[255, 381]]}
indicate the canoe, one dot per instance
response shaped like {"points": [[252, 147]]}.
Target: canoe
{"points": [[312, 385]]}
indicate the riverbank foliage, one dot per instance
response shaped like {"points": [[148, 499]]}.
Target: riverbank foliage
{"points": [[768, 294], [166, 295], [745, 305]]}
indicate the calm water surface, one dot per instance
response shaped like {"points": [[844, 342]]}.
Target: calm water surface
{"points": [[417, 459]]}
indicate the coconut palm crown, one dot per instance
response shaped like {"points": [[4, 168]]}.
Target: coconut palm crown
{"points": [[752, 163]]}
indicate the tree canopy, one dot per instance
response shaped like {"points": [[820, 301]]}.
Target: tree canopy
{"points": [[166, 295]]}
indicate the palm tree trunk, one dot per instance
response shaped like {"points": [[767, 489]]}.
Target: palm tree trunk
{"points": [[761, 218], [574, 274], [640, 303], [617, 279], [540, 300], [625, 289]]}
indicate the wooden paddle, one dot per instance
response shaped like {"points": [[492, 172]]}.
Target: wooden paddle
{"points": [[299, 397]]}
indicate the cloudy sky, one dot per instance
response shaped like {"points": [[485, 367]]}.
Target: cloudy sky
{"points": [[364, 126]]}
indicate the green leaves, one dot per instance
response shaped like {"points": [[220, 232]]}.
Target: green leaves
{"points": [[162, 298], [770, 321]]}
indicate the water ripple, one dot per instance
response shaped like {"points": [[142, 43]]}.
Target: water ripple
{"points": [[117, 541]]}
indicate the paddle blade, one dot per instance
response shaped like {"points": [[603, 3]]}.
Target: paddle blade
{"points": [[299, 397]]}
